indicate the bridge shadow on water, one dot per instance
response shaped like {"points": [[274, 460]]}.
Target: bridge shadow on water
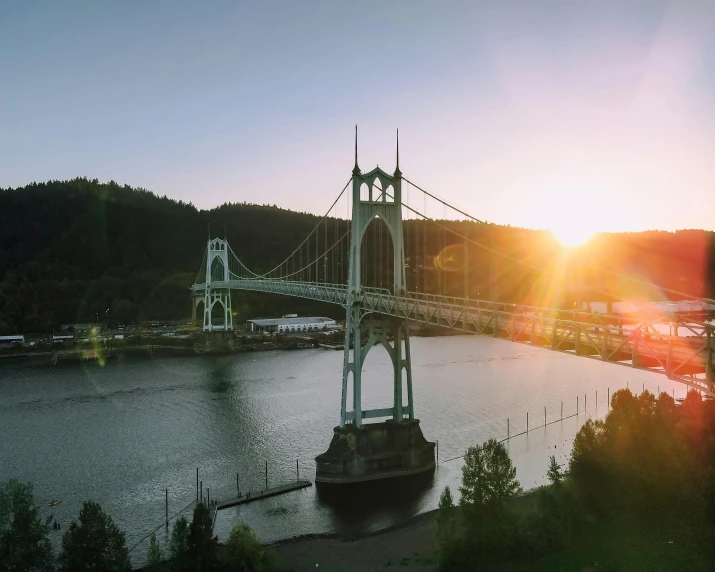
{"points": [[220, 376], [368, 507]]}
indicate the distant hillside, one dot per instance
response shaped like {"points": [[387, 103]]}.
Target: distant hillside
{"points": [[72, 249]]}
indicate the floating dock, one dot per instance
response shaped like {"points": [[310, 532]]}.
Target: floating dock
{"points": [[274, 491]]}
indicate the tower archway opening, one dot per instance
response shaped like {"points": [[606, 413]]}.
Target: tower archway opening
{"points": [[199, 312], [377, 256], [218, 315], [217, 270]]}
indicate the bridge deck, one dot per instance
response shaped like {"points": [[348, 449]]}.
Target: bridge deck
{"points": [[683, 354]]}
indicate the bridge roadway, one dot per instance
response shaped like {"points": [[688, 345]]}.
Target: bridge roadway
{"points": [[682, 354]]}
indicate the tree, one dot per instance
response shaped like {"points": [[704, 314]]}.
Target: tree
{"points": [[450, 543], [95, 544], [24, 545], [446, 523], [179, 545], [202, 547], [488, 483], [153, 560], [488, 476], [554, 473], [244, 553]]}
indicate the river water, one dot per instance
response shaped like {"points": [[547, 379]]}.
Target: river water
{"points": [[122, 433]]}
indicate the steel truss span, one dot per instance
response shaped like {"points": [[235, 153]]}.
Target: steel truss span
{"points": [[686, 357]]}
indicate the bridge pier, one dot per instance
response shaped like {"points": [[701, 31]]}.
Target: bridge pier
{"points": [[375, 451]]}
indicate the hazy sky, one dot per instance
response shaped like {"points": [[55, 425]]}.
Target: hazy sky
{"points": [[598, 115]]}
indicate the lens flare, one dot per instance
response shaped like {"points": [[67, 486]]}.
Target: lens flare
{"points": [[451, 259]]}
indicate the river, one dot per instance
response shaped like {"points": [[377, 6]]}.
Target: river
{"points": [[122, 433]]}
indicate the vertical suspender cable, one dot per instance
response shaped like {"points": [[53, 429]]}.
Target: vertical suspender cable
{"points": [[445, 273]]}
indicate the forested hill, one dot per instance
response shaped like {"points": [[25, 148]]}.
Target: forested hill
{"points": [[70, 250]]}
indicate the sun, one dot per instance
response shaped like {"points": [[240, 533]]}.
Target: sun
{"points": [[572, 234]]}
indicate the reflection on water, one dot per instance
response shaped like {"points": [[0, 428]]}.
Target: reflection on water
{"points": [[355, 507], [123, 433], [220, 376]]}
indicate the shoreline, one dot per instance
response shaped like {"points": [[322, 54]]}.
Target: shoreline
{"points": [[410, 544], [55, 357], [407, 522]]}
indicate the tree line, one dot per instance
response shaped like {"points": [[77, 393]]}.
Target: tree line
{"points": [[650, 463], [94, 543]]}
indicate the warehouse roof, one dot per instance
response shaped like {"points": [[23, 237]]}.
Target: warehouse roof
{"points": [[290, 321]]}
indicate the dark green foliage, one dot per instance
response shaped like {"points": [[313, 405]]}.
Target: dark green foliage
{"points": [[488, 477], [179, 545], [202, 546], [488, 485], [24, 546], [70, 249], [243, 553], [647, 465], [554, 474], [447, 536], [153, 560], [446, 519], [94, 544], [551, 524], [646, 451]]}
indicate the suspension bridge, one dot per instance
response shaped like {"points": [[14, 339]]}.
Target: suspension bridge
{"points": [[394, 254]]}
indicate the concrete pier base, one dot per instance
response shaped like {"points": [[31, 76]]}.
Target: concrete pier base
{"points": [[375, 451], [215, 342]]}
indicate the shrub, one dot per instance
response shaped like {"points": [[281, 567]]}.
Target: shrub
{"points": [[244, 553]]}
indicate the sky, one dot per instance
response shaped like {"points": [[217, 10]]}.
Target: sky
{"points": [[575, 116]]}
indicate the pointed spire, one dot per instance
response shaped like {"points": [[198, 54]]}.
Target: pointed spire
{"points": [[398, 173], [356, 169]]}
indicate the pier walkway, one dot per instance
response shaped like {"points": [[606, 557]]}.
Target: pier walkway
{"points": [[271, 492]]}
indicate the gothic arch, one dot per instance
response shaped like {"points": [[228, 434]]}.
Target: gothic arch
{"points": [[218, 270]]}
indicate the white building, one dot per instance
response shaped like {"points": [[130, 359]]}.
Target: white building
{"points": [[6, 341], [290, 325]]}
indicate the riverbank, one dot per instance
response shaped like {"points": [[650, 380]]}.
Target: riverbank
{"points": [[109, 349], [630, 540], [410, 545], [148, 349]]}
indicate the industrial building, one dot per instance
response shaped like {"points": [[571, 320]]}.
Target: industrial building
{"points": [[290, 325], [6, 341]]}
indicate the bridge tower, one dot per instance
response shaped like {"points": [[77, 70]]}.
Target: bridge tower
{"points": [[396, 447], [216, 295], [217, 273]]}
